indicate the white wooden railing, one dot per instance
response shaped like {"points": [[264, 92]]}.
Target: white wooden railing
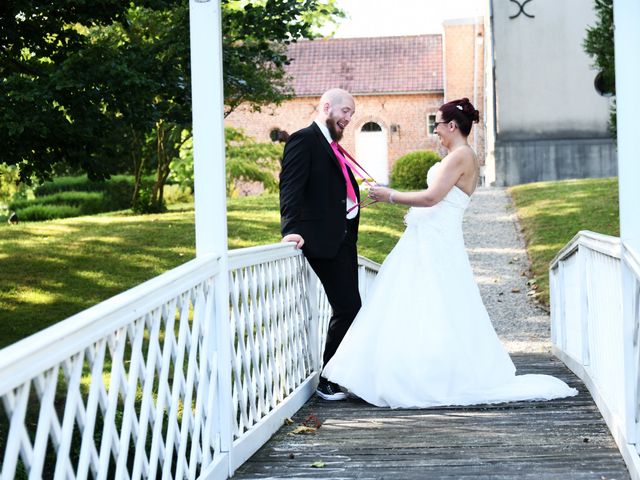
{"points": [[595, 323], [153, 383]]}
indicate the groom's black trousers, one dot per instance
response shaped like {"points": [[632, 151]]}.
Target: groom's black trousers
{"points": [[339, 277]]}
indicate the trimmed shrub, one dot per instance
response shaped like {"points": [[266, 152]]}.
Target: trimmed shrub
{"points": [[409, 172], [118, 190], [77, 196], [88, 202], [65, 184], [177, 194], [116, 193], [36, 213]]}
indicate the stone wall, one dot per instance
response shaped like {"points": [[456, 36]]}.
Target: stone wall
{"points": [[525, 161]]}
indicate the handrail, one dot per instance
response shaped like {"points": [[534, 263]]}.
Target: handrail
{"points": [[370, 264], [598, 242], [243, 257], [595, 293], [632, 259], [31, 355], [161, 345]]}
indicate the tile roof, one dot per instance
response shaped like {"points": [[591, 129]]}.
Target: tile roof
{"points": [[411, 64]]}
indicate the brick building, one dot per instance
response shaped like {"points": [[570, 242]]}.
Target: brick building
{"points": [[398, 84]]}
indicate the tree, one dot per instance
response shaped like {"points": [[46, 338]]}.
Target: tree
{"points": [[49, 116], [104, 87], [255, 37], [149, 101], [599, 44], [247, 161]]}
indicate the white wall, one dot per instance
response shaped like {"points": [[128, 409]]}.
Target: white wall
{"points": [[544, 80]]}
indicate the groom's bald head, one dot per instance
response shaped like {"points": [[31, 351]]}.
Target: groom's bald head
{"points": [[336, 108]]}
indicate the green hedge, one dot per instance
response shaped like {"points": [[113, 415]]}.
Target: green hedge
{"points": [[409, 172], [116, 184], [36, 213], [74, 196], [89, 202]]}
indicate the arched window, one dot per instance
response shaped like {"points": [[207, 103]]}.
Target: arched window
{"points": [[371, 127]]}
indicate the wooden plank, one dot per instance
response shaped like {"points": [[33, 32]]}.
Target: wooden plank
{"points": [[559, 439]]}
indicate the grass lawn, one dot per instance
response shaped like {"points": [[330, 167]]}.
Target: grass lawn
{"points": [[551, 213], [52, 270]]}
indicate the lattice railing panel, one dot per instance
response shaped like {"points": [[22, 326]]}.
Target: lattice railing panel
{"points": [[129, 404], [157, 382], [270, 331]]}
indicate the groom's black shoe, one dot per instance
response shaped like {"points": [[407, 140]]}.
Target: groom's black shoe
{"points": [[329, 390]]}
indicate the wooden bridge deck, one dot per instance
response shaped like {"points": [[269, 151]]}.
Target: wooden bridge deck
{"points": [[562, 439]]}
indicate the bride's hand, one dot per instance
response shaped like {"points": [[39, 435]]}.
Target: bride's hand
{"points": [[380, 194]]}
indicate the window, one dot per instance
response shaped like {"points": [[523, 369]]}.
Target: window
{"points": [[371, 127], [431, 123]]}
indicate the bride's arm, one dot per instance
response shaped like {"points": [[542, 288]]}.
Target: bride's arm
{"points": [[451, 170]]}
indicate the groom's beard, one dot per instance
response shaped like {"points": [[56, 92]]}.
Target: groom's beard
{"points": [[336, 135]]}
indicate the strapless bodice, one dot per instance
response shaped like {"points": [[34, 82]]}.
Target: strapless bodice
{"points": [[448, 211]]}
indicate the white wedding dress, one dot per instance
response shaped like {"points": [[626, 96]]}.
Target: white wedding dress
{"points": [[423, 337]]}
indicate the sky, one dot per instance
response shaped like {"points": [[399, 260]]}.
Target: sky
{"points": [[379, 18]]}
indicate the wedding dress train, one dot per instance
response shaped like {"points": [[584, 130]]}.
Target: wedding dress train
{"points": [[423, 337]]}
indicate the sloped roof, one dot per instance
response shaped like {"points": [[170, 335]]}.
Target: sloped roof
{"points": [[378, 65]]}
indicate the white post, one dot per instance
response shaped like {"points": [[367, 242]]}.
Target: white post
{"points": [[208, 127], [210, 186], [626, 14]]}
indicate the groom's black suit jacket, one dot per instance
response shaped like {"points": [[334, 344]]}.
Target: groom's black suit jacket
{"points": [[313, 194]]}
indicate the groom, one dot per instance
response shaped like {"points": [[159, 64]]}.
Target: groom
{"points": [[319, 212]]}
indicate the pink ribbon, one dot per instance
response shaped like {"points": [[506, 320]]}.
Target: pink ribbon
{"points": [[357, 168], [351, 193], [351, 162]]}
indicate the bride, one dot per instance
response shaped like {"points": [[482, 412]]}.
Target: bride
{"points": [[423, 337]]}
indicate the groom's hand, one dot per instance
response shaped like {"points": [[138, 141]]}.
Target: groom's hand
{"points": [[294, 237]]}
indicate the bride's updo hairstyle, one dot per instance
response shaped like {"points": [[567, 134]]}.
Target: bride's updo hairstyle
{"points": [[462, 112]]}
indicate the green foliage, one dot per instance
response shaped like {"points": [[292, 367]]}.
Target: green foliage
{"points": [[67, 184], [10, 186], [599, 44], [55, 106], [118, 191], [145, 203], [182, 167], [55, 269], [255, 35], [409, 172], [36, 213], [85, 197], [246, 161], [88, 202], [174, 194], [107, 89], [551, 213]]}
